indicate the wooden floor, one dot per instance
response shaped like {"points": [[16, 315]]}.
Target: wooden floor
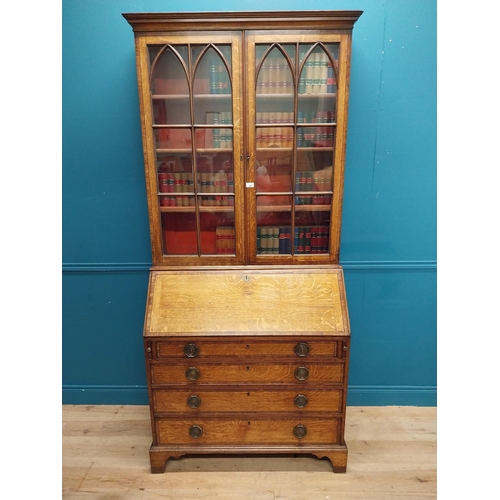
{"points": [[392, 455]]}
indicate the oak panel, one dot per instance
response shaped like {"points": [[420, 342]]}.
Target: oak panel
{"points": [[246, 302], [253, 431], [252, 400], [246, 374], [245, 347]]}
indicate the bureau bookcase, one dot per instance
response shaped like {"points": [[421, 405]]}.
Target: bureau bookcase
{"points": [[246, 331]]}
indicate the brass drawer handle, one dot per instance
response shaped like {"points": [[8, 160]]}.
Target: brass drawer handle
{"points": [[301, 373], [195, 431], [192, 373], [302, 349], [300, 431], [194, 401], [300, 401], [191, 350]]}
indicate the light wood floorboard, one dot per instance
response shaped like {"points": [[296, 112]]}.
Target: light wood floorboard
{"points": [[392, 456]]}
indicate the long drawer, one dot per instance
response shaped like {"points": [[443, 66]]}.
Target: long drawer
{"points": [[260, 373], [252, 431], [244, 347], [255, 400]]}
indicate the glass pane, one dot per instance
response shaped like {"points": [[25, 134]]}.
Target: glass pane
{"points": [[212, 84], [314, 171], [179, 232], [273, 173], [173, 138], [215, 179], [175, 180], [170, 85], [275, 74], [273, 227], [217, 232], [311, 232]]}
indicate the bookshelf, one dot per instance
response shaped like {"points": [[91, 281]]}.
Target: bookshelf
{"points": [[246, 331]]}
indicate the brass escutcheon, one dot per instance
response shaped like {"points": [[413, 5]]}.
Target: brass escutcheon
{"points": [[194, 401], [191, 350], [301, 373], [192, 373], [300, 401], [300, 431], [195, 431], [302, 349]]}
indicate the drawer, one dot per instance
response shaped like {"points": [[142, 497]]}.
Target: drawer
{"points": [[255, 400], [245, 348], [251, 431], [246, 373]]}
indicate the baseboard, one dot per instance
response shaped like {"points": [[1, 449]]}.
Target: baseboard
{"points": [[356, 395], [364, 395], [104, 395]]}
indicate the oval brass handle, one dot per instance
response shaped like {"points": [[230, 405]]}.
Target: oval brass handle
{"points": [[194, 401], [300, 401], [191, 350], [192, 373], [302, 349], [195, 431], [301, 373], [300, 431]]}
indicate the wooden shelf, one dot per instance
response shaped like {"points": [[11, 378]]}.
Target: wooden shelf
{"points": [[322, 95], [288, 208], [202, 208], [186, 96]]}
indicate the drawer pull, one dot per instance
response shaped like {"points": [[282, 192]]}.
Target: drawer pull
{"points": [[195, 431], [301, 373], [302, 349], [300, 401], [192, 373], [194, 401], [300, 431], [191, 350]]}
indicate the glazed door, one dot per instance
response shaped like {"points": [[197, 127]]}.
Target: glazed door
{"points": [[297, 109], [191, 104]]}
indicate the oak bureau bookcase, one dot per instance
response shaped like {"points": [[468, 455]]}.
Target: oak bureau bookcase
{"points": [[246, 331]]}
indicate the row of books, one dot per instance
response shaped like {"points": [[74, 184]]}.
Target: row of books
{"points": [[177, 201], [275, 77], [274, 137], [317, 77], [225, 240], [221, 137], [189, 201], [182, 182], [310, 180], [282, 137], [215, 182], [313, 200], [219, 80], [278, 241], [277, 117], [317, 137]]}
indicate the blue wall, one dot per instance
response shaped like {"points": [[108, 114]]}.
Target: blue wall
{"points": [[388, 247]]}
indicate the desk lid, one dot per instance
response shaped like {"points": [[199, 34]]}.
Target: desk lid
{"points": [[247, 301]]}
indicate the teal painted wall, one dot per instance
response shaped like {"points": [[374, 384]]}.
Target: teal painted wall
{"points": [[388, 246]]}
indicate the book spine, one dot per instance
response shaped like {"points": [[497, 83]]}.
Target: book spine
{"points": [[288, 249], [275, 240], [307, 240], [282, 240]]}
